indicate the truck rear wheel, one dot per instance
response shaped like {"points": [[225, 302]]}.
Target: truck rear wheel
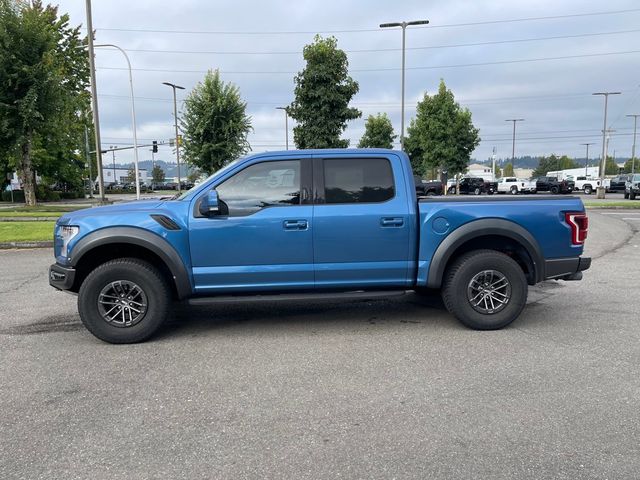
{"points": [[588, 190], [124, 301], [485, 290]]}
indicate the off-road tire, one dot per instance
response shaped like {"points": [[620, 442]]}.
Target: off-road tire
{"points": [[513, 190], [588, 190], [555, 190], [459, 276], [144, 275]]}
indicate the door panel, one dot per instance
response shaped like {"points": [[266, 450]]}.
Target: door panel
{"points": [[361, 234], [265, 241]]}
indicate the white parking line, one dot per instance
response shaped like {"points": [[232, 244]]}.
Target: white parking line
{"points": [[619, 213], [630, 218]]}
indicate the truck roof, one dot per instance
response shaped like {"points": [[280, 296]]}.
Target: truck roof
{"points": [[317, 151]]}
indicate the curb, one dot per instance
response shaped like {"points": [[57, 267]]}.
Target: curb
{"points": [[634, 207], [9, 245]]}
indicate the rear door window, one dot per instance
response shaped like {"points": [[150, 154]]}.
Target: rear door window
{"points": [[358, 180]]}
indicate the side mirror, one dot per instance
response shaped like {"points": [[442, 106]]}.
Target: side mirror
{"points": [[210, 204]]}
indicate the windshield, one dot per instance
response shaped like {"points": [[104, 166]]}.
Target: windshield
{"points": [[636, 178], [228, 166]]}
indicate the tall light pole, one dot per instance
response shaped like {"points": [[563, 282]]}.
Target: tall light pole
{"points": [[601, 189], [404, 26], [586, 160], [513, 143], [94, 101], [633, 149], [286, 124], [133, 117], [175, 115]]}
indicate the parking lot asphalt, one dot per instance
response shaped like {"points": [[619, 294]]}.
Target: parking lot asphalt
{"points": [[384, 389]]}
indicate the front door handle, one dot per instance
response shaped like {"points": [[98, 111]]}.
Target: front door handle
{"points": [[295, 224], [391, 221]]}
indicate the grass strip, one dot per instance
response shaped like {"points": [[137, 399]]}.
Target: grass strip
{"points": [[26, 231]]}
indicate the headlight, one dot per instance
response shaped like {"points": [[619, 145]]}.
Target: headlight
{"points": [[66, 233]]}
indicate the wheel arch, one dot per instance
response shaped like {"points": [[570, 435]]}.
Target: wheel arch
{"points": [[494, 234], [118, 242]]}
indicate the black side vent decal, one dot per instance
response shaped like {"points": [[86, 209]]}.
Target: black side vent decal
{"points": [[166, 222]]}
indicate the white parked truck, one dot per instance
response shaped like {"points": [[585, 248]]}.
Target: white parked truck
{"points": [[515, 185]]}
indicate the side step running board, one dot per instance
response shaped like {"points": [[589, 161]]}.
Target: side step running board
{"points": [[291, 297]]}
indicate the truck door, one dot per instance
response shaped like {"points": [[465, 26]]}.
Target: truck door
{"points": [[262, 238], [361, 222]]}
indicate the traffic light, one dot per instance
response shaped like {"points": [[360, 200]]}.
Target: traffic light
{"points": [[154, 148], [179, 140]]}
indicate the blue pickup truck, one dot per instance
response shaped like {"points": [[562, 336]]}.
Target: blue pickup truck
{"points": [[313, 223]]}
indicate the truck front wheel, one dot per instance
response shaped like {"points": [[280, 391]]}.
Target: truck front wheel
{"points": [[124, 301], [485, 289]]}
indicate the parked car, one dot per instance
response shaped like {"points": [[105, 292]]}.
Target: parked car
{"points": [[515, 185], [618, 183], [632, 187], [553, 185], [340, 224], [474, 186], [427, 188], [589, 184]]}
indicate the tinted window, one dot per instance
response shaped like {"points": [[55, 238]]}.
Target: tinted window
{"points": [[358, 180], [268, 184]]}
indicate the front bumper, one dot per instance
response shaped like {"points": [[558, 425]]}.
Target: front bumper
{"points": [[566, 268], [61, 277]]}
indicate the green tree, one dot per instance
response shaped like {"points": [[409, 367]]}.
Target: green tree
{"points": [[611, 167], [378, 132], [442, 135], [498, 172], [508, 170], [553, 163], [157, 174], [193, 175], [628, 165], [43, 78], [131, 174], [322, 94], [215, 124]]}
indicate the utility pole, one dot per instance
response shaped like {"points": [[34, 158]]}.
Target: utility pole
{"points": [[286, 124], [586, 160], [404, 26], [601, 190], [513, 143], [94, 101], [633, 149], [175, 115], [88, 159], [493, 163], [113, 154]]}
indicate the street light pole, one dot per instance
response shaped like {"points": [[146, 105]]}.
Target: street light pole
{"points": [[286, 124], [404, 26], [586, 160], [601, 189], [513, 143], [633, 149], [175, 115], [133, 117], [94, 101]]}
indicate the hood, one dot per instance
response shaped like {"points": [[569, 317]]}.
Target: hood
{"points": [[119, 208]]}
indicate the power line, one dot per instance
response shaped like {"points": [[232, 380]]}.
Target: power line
{"points": [[377, 50], [450, 25], [390, 69]]}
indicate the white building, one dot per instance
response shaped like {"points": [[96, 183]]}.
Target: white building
{"points": [[117, 174]]}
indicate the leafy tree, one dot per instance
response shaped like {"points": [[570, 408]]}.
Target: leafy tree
{"points": [[508, 170], [378, 132], [322, 94], [498, 172], [157, 174], [611, 167], [215, 124], [628, 166], [43, 78], [442, 135], [553, 163], [131, 174]]}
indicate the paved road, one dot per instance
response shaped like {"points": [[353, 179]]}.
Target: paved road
{"points": [[387, 389]]}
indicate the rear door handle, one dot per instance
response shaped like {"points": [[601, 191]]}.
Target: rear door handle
{"points": [[391, 221], [295, 224]]}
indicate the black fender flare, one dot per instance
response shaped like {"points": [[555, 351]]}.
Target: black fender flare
{"points": [[142, 238], [481, 228]]}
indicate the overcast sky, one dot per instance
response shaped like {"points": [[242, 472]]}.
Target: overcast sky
{"points": [[258, 44]]}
